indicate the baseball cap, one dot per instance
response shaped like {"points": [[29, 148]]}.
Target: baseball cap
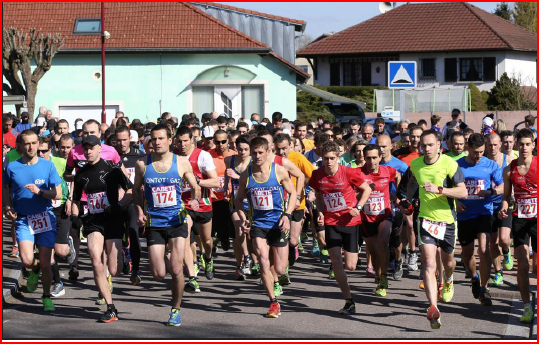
{"points": [[91, 140], [208, 132], [134, 135], [488, 121], [207, 116]]}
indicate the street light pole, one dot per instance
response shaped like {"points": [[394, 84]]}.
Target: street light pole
{"points": [[103, 114]]}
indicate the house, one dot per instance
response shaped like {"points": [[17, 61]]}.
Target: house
{"points": [[164, 57], [454, 44]]}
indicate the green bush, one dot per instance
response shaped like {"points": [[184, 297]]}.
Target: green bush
{"points": [[507, 95], [361, 93], [479, 99]]}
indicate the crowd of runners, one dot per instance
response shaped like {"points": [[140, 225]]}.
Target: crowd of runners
{"points": [[265, 188]]}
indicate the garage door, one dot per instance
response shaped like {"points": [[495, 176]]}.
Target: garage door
{"points": [[86, 112]]}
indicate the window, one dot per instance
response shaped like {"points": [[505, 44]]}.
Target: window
{"points": [[489, 69], [252, 100], [87, 26], [450, 70], [304, 68], [203, 99], [428, 68], [471, 69], [335, 74], [351, 74]]}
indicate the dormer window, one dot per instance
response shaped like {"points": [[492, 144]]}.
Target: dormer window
{"points": [[87, 26]]}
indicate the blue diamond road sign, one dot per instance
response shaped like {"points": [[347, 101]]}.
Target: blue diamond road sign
{"points": [[402, 74]]}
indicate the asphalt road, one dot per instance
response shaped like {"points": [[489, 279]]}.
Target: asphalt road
{"points": [[231, 309]]}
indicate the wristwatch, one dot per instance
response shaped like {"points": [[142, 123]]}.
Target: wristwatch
{"points": [[493, 192], [298, 197], [289, 216], [40, 193], [440, 190], [358, 207]]}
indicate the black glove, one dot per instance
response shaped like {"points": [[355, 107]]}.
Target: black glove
{"points": [[76, 222], [406, 205]]}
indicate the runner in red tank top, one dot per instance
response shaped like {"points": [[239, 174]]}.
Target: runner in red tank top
{"points": [[378, 215], [340, 214], [206, 175], [521, 175]]}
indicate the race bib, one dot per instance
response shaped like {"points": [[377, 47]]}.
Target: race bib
{"points": [[375, 206], [131, 174], [39, 223], [97, 202], [221, 185], [335, 202], [164, 196], [262, 199], [527, 208], [473, 187], [56, 203], [436, 229]]}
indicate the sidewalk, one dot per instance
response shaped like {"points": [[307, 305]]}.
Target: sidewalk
{"points": [[12, 270]]}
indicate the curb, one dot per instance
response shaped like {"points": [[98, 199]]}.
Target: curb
{"points": [[11, 283], [533, 291]]}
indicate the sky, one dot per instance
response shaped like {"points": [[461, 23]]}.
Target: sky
{"points": [[325, 17]]}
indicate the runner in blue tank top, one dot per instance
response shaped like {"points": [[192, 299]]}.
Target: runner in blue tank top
{"points": [[500, 237], [166, 221], [235, 165], [263, 184]]}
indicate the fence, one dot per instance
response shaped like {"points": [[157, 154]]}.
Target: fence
{"points": [[430, 100]]}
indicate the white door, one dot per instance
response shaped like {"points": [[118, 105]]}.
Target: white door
{"points": [[86, 112], [227, 100]]}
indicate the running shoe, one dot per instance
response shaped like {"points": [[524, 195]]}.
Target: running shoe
{"points": [[300, 247], [274, 310], [210, 270], [448, 291], [73, 273], [58, 290], [498, 279], [277, 289], [192, 286], [476, 287], [412, 262], [135, 277], [110, 315], [247, 265], [324, 256], [100, 300], [440, 292], [527, 315], [175, 318], [316, 249], [202, 262], [383, 285], [284, 279], [507, 261], [31, 284], [196, 269], [398, 272], [72, 253], [370, 271], [331, 272], [255, 270], [239, 275], [391, 265], [14, 252], [434, 317], [48, 306], [225, 244], [485, 298], [422, 285], [349, 308]]}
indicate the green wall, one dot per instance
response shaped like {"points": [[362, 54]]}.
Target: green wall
{"points": [[151, 83]]}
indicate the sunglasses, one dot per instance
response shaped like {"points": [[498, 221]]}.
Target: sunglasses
{"points": [[42, 151], [222, 142]]}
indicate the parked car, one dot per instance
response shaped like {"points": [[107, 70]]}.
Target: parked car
{"points": [[344, 112]]}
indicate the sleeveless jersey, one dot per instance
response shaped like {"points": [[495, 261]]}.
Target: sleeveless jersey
{"points": [[378, 206], [525, 188], [205, 202], [164, 195], [236, 185], [266, 200]]}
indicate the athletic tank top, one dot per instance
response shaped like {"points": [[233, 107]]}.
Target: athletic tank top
{"points": [[236, 185], [205, 202], [525, 188], [266, 200], [163, 195]]}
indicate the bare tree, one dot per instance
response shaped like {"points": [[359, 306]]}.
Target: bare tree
{"points": [[302, 41], [19, 50]]}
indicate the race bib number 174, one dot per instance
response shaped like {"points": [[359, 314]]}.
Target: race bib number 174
{"points": [[164, 196]]}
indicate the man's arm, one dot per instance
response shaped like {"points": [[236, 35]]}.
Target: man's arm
{"points": [[212, 180], [238, 201], [291, 168], [186, 171], [282, 174]]}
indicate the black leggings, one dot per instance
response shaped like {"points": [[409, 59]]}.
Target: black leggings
{"points": [[133, 230]]}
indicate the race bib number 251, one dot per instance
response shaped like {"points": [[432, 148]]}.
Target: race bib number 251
{"points": [[40, 223]]}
